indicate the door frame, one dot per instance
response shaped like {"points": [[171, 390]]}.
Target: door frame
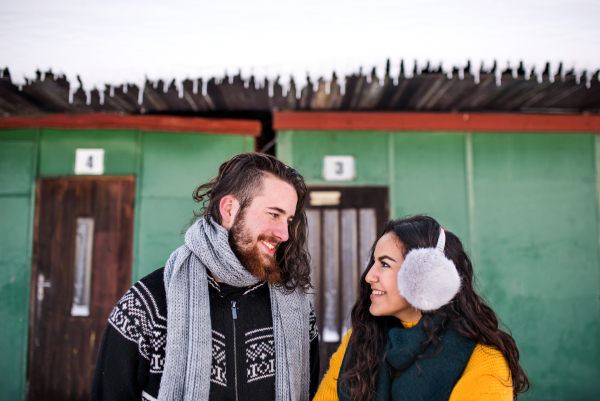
{"points": [[348, 200], [33, 304]]}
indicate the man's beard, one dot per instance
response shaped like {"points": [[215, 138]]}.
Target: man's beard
{"points": [[240, 241]]}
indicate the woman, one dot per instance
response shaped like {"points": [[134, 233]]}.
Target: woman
{"points": [[419, 329]]}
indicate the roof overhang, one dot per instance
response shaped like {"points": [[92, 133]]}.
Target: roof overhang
{"points": [[472, 122], [146, 123]]}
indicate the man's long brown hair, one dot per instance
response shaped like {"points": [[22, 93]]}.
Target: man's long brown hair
{"points": [[242, 177], [467, 312]]}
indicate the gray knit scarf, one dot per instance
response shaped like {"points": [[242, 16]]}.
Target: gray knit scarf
{"points": [[187, 369]]}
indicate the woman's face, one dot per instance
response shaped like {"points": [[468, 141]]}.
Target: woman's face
{"points": [[383, 277]]}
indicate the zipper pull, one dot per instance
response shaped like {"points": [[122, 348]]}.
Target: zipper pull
{"points": [[233, 310]]}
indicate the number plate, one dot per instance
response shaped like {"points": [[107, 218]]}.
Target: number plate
{"points": [[89, 161], [339, 168]]}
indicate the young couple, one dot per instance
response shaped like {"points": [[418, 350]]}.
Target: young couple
{"points": [[228, 317]]}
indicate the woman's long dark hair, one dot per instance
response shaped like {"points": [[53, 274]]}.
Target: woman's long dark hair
{"points": [[468, 312]]}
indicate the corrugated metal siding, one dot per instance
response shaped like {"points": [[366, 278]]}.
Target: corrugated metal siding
{"points": [[168, 167], [524, 205], [17, 172]]}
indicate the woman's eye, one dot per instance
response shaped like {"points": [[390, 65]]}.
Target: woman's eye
{"points": [[274, 215], [383, 264]]}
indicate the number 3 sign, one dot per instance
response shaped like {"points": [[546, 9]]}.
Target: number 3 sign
{"points": [[89, 161], [339, 168]]}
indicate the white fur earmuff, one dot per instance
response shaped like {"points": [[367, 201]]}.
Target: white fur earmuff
{"points": [[427, 279]]}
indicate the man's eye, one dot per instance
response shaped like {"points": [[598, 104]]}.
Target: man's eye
{"points": [[274, 215]]}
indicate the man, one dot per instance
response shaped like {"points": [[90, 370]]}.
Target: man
{"points": [[228, 317]]}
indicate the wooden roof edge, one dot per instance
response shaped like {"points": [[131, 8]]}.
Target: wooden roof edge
{"points": [[143, 122], [415, 121]]}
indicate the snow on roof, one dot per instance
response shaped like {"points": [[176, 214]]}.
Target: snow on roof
{"points": [[114, 42], [431, 89]]}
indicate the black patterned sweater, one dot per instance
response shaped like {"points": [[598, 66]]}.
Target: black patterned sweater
{"points": [[132, 354]]}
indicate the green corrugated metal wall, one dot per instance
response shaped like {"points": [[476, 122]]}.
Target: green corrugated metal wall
{"points": [[167, 166], [526, 207], [17, 171], [524, 204]]}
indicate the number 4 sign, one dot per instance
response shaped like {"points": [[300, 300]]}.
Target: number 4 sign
{"points": [[339, 168], [89, 161]]}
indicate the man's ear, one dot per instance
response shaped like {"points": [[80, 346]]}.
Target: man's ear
{"points": [[229, 207]]}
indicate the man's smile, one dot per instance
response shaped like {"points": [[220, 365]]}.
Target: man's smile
{"points": [[270, 246]]}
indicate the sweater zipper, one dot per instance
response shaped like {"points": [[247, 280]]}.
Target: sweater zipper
{"points": [[234, 314]]}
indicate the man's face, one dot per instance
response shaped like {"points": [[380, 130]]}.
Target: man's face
{"points": [[261, 227]]}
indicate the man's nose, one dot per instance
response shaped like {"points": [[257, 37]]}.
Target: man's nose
{"points": [[281, 231]]}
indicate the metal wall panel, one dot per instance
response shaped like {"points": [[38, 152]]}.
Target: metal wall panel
{"points": [[537, 254], [525, 208], [172, 166], [57, 150], [331, 258], [309, 148], [349, 270], [17, 175], [368, 234], [314, 248]]}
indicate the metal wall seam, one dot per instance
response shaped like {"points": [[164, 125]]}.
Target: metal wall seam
{"points": [[597, 159], [392, 173], [137, 204], [471, 193], [285, 147], [30, 236]]}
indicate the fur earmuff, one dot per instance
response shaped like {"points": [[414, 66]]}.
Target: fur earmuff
{"points": [[427, 279]]}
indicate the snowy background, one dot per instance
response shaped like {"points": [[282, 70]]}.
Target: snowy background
{"points": [[118, 42]]}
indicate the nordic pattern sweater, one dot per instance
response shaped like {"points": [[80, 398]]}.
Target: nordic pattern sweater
{"points": [[132, 354], [486, 376]]}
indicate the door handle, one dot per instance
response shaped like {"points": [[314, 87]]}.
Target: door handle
{"points": [[41, 284]]}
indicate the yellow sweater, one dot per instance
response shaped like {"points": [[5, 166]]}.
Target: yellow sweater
{"points": [[486, 376]]}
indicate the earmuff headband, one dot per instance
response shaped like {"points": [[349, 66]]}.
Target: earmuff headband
{"points": [[441, 244], [427, 279]]}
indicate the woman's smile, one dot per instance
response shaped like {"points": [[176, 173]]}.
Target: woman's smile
{"points": [[376, 293]]}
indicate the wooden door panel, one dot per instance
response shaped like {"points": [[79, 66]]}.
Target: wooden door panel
{"points": [[63, 348], [340, 236]]}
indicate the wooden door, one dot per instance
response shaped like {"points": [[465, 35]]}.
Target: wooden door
{"points": [[343, 223], [81, 268]]}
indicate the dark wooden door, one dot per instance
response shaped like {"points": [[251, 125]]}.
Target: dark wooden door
{"points": [[81, 268], [343, 223]]}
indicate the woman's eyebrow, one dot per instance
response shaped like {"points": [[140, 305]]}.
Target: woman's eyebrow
{"points": [[385, 257]]}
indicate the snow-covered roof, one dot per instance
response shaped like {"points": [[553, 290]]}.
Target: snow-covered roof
{"points": [[431, 89], [119, 42], [116, 43]]}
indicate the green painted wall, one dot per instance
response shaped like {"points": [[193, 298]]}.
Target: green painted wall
{"points": [[419, 169], [167, 166], [57, 150], [537, 253], [525, 205], [172, 166], [309, 148], [17, 172]]}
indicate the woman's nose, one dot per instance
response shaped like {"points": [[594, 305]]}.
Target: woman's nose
{"points": [[371, 276]]}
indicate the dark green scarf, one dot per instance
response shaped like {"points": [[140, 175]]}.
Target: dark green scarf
{"points": [[428, 378]]}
